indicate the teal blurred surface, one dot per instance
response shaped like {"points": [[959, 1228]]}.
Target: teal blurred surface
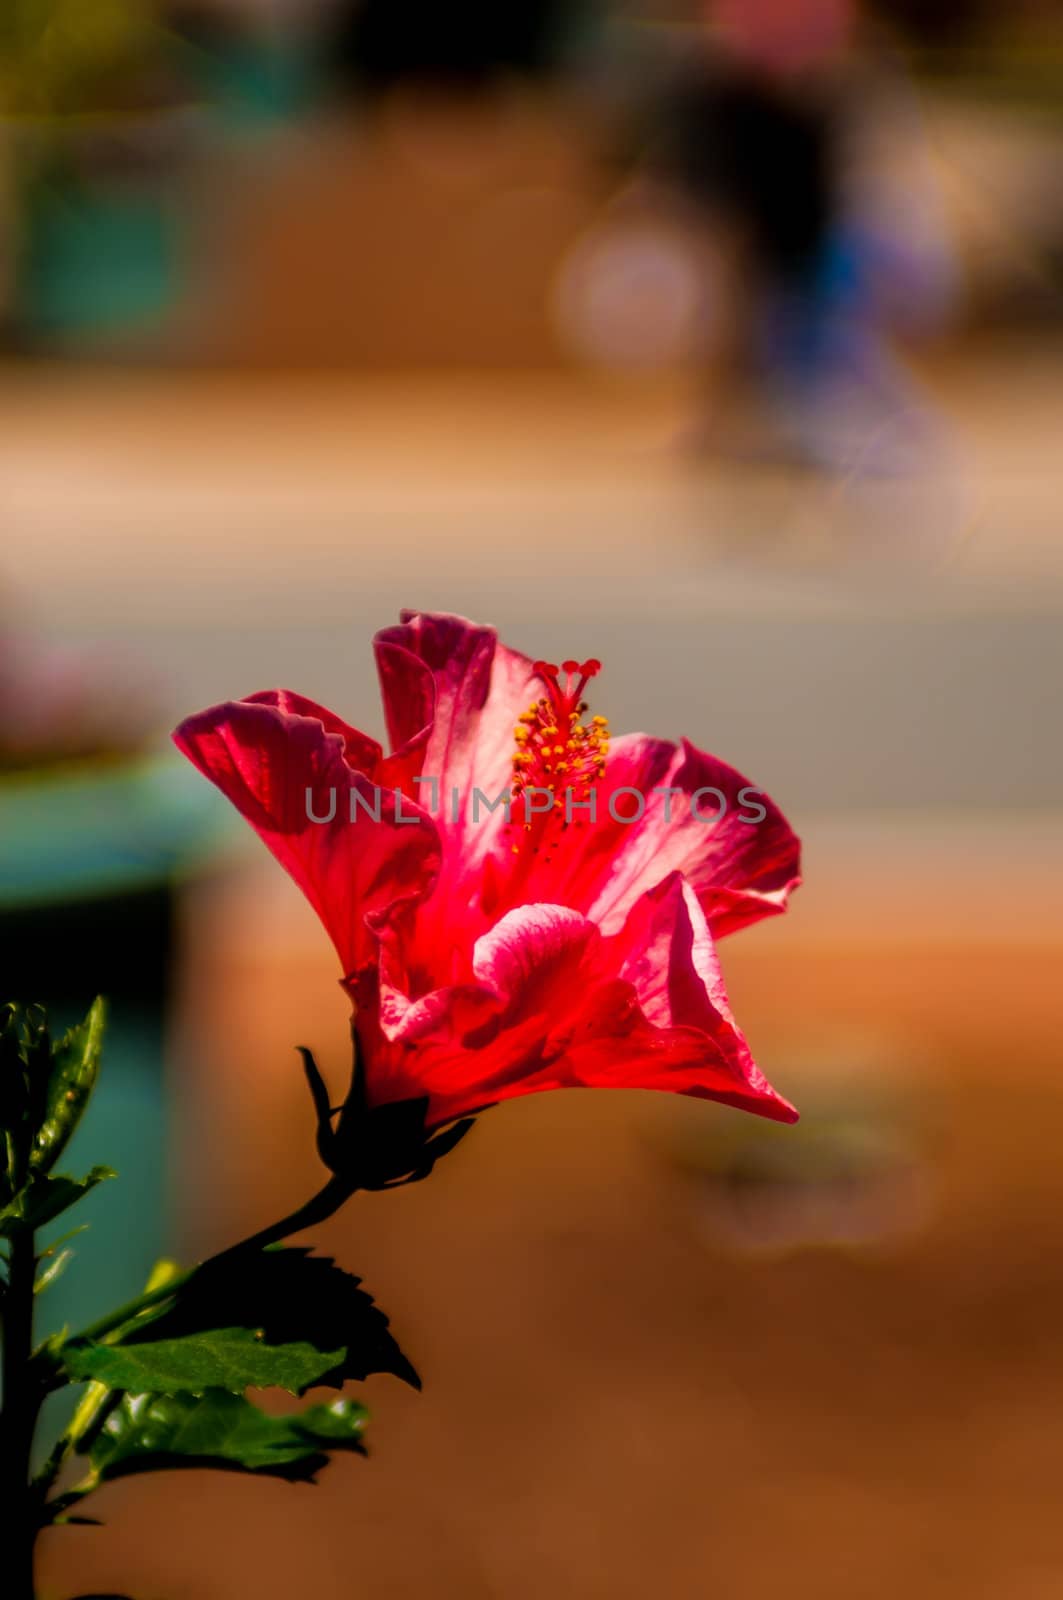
{"points": [[73, 833]]}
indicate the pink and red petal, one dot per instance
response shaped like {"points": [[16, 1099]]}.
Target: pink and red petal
{"points": [[667, 953], [554, 1005], [469, 690], [750, 861], [701, 818], [659, 809], [277, 766], [726, 836], [361, 752]]}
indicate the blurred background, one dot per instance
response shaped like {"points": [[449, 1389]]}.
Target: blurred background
{"points": [[722, 342]]}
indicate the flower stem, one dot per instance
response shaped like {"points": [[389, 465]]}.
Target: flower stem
{"points": [[18, 1420]]}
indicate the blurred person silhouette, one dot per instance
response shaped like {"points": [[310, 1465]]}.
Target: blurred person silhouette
{"points": [[794, 145]]}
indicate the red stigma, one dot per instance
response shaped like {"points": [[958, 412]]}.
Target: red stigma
{"points": [[566, 698]]}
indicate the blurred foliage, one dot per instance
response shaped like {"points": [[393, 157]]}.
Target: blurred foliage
{"points": [[66, 58], [163, 1377], [1024, 71], [45, 1085]]}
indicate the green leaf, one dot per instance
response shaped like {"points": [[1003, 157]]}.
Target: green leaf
{"points": [[44, 1088], [152, 1433], [222, 1358], [43, 1199], [286, 1317], [75, 1065]]}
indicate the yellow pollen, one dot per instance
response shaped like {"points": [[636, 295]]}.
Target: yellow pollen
{"points": [[557, 751]]}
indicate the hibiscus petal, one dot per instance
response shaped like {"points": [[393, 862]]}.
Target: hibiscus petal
{"points": [[667, 953], [360, 751], [727, 837], [265, 756], [532, 958], [407, 689], [743, 863], [746, 865], [469, 690], [646, 1009], [405, 1016]]}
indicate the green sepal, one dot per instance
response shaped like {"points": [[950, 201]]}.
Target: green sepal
{"points": [[152, 1433]]}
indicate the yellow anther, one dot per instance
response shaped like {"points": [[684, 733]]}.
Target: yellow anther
{"points": [[556, 751]]}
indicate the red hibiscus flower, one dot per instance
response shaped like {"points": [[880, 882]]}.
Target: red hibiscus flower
{"points": [[518, 903]]}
